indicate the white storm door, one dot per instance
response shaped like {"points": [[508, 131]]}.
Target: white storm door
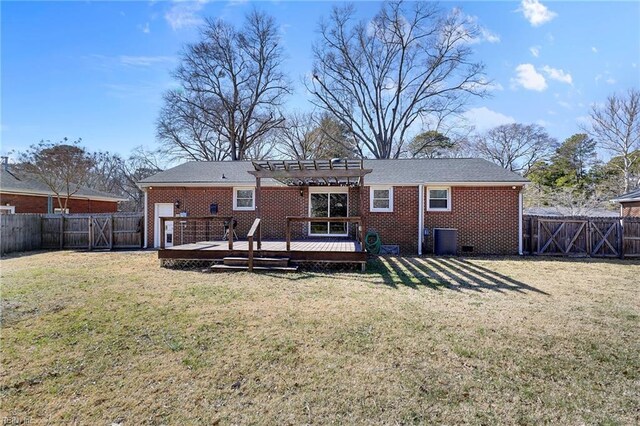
{"points": [[163, 210]]}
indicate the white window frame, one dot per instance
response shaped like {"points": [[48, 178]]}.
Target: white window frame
{"points": [[429, 189], [235, 197], [378, 209], [328, 190], [12, 209], [58, 210]]}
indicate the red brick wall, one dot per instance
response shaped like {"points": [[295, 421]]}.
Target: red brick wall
{"points": [[38, 204], [486, 218], [401, 226], [631, 209], [277, 203]]}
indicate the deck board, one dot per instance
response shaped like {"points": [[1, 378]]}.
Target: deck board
{"points": [[340, 246], [302, 250]]}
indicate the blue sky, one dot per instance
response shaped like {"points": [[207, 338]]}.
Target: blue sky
{"points": [[97, 70]]}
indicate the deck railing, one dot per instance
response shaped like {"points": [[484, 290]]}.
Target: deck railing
{"points": [[227, 219], [255, 229], [353, 219]]}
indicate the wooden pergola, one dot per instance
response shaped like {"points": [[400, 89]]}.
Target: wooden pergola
{"points": [[335, 172]]}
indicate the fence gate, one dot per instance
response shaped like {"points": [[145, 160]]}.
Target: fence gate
{"points": [[605, 238], [101, 228], [562, 237]]}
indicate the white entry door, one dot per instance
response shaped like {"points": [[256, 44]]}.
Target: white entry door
{"points": [[163, 210]]}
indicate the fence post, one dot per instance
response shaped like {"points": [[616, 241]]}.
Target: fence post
{"points": [[621, 237], [538, 246], [90, 232], [589, 239], [61, 232], [112, 233]]}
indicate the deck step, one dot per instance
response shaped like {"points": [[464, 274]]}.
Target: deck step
{"points": [[257, 261], [229, 268]]}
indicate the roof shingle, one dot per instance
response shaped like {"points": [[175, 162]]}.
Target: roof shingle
{"points": [[399, 172]]}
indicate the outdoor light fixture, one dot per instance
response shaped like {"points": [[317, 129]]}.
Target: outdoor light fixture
{"points": [[301, 192], [177, 204]]}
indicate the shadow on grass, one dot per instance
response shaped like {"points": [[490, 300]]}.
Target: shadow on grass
{"points": [[444, 273]]}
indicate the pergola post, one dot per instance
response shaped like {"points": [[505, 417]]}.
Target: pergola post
{"points": [[258, 198]]}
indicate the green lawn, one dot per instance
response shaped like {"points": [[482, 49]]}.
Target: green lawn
{"points": [[96, 338]]}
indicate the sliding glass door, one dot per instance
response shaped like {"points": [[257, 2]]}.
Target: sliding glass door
{"points": [[328, 204]]}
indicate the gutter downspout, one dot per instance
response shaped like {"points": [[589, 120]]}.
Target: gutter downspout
{"points": [[420, 217], [520, 221], [146, 221]]}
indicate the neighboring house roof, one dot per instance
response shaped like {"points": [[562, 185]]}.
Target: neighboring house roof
{"points": [[23, 183], [396, 172], [629, 196], [565, 211]]}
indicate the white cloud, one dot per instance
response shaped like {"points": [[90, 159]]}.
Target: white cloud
{"points": [[557, 74], [634, 65], [146, 29], [564, 104], [488, 36], [484, 119], [535, 51], [536, 13], [183, 14], [529, 78], [610, 80], [594, 49], [466, 22], [144, 61]]}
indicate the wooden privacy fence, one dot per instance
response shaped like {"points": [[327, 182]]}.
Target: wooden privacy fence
{"points": [[22, 232], [581, 236]]}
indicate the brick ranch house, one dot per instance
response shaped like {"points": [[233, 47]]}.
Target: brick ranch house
{"points": [[629, 203], [21, 193], [403, 200]]}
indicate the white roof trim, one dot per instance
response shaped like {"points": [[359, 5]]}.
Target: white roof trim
{"points": [[625, 200]]}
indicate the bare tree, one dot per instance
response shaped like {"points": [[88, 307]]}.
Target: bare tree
{"points": [[106, 174], [187, 131], [140, 164], [231, 91], [310, 135], [63, 166], [616, 128], [381, 78], [296, 138], [516, 147]]}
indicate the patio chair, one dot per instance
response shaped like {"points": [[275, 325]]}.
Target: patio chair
{"points": [[225, 224]]}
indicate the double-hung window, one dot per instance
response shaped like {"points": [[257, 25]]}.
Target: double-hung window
{"points": [[439, 199], [381, 199], [244, 198]]}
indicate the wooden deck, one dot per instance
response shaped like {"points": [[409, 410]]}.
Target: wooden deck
{"points": [[340, 251]]}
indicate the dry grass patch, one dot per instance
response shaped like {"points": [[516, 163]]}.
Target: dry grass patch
{"points": [[111, 337]]}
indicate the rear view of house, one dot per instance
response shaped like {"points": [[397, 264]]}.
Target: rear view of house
{"points": [[405, 201]]}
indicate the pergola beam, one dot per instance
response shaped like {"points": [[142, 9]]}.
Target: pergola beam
{"points": [[311, 174]]}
